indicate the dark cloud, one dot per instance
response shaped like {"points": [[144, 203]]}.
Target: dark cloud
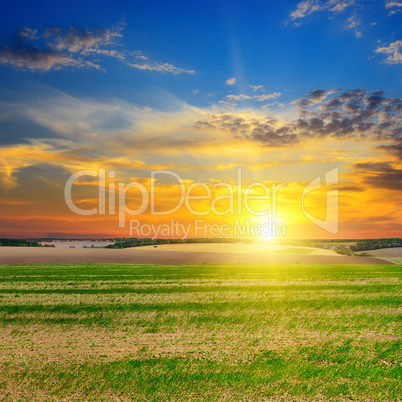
{"points": [[233, 124], [373, 167], [392, 107], [36, 180], [335, 103], [386, 180], [203, 125], [355, 114], [353, 94], [380, 175], [55, 48], [353, 106], [303, 103], [317, 94], [394, 149], [18, 129], [351, 188], [374, 101], [270, 136], [60, 47]]}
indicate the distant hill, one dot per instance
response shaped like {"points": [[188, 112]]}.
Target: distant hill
{"points": [[375, 244], [18, 243]]}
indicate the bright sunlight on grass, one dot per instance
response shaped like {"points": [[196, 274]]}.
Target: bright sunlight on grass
{"points": [[138, 332]]}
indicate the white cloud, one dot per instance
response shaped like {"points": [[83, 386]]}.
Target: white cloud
{"points": [[259, 98], [230, 81], [238, 97], [307, 7], [57, 48], [304, 9], [352, 23], [257, 87], [395, 7], [337, 6], [160, 67], [394, 52], [391, 4]]}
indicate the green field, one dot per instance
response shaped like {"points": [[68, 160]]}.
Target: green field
{"points": [[209, 332]]}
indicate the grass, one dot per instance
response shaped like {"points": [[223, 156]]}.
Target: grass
{"points": [[209, 332]]}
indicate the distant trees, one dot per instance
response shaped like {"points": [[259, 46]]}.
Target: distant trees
{"points": [[375, 244], [18, 243], [368, 244], [344, 250], [361, 245], [136, 242]]}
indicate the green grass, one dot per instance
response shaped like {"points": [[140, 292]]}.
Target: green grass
{"points": [[208, 332]]}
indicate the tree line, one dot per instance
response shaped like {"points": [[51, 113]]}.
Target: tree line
{"points": [[137, 242], [18, 243], [375, 244]]}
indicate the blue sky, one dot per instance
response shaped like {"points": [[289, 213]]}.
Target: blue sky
{"points": [[258, 43]]}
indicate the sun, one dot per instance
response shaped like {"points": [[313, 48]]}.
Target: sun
{"points": [[268, 231], [267, 237]]}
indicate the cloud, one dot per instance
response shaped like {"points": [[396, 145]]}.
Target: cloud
{"points": [[393, 52], [338, 6], [352, 23], [313, 97], [239, 97], [331, 7], [395, 7], [264, 97], [86, 133], [201, 144], [160, 67], [57, 48], [230, 81], [308, 7], [374, 100], [257, 88], [258, 98], [354, 94], [393, 149], [391, 4], [304, 9], [380, 175], [317, 95], [351, 115], [374, 166], [332, 104]]}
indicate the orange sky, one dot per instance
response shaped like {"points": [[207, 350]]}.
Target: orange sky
{"points": [[201, 146]]}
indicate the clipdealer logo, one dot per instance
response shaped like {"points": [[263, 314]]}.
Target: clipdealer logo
{"points": [[237, 196]]}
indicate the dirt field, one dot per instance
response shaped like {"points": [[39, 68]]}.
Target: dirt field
{"points": [[182, 254], [387, 252]]}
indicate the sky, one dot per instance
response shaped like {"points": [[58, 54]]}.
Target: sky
{"points": [[280, 93]]}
